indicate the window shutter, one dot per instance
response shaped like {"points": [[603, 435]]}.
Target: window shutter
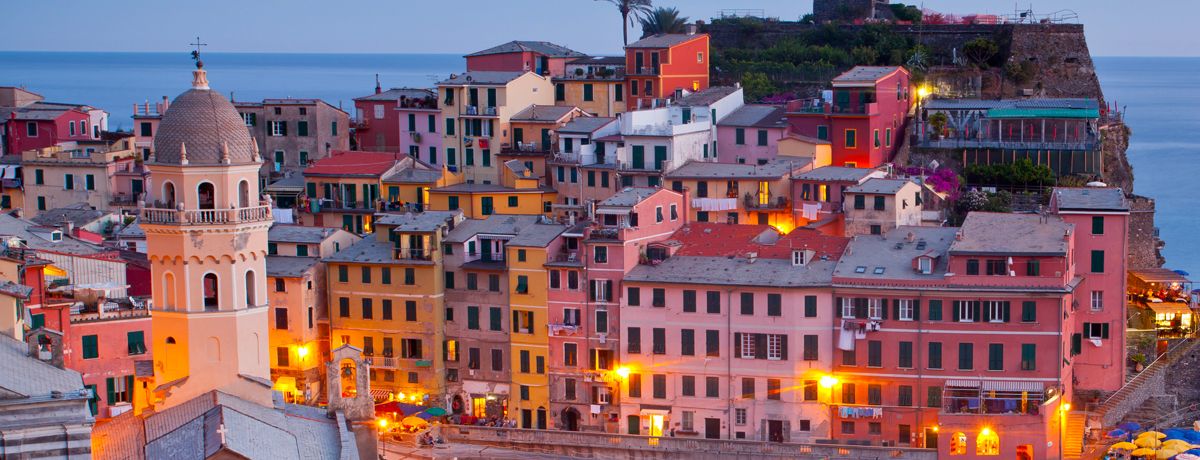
{"points": [[283, 127], [987, 314], [895, 308], [860, 308], [516, 322], [883, 308], [1007, 307], [592, 291], [954, 306], [608, 297], [916, 310], [783, 345], [760, 346], [1104, 330], [837, 307], [737, 345], [112, 395], [978, 306]]}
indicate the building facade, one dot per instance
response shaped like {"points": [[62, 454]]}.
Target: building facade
{"points": [[862, 117], [659, 66]]}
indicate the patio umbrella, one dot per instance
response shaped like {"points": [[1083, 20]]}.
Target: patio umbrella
{"points": [[1143, 452], [1183, 273], [1165, 454], [1117, 433], [415, 420], [1177, 444], [436, 411], [1124, 445], [398, 407], [1130, 426], [1156, 434], [1148, 441]]}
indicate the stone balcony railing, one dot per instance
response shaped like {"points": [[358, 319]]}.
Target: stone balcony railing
{"points": [[261, 213]]}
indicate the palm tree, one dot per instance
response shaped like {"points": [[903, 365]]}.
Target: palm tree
{"points": [[627, 7], [662, 21]]}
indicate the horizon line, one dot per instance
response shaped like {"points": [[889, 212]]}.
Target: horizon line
{"points": [[448, 53]]}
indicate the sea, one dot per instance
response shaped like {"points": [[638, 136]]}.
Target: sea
{"points": [[1158, 95]]}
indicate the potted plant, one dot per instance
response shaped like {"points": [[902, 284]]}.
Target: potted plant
{"points": [[1139, 361], [938, 122]]}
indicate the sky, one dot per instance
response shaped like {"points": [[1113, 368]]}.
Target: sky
{"points": [[1114, 27]]}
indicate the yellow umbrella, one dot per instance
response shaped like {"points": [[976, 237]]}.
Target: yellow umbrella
{"points": [[1123, 445], [1142, 452], [1148, 441], [1177, 444], [1166, 454], [1156, 434]]}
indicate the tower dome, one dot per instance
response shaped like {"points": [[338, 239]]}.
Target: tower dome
{"points": [[201, 127]]}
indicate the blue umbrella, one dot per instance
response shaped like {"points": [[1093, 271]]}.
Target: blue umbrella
{"points": [[1183, 273], [1130, 426], [1116, 433]]}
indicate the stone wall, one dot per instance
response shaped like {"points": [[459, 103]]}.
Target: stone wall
{"points": [[1145, 248]]}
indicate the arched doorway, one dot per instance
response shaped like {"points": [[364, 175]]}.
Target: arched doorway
{"points": [[169, 195], [243, 194], [206, 196], [457, 405], [211, 297], [570, 419]]}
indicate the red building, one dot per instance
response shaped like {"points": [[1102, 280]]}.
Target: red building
{"points": [[659, 65], [378, 119], [28, 122], [863, 121], [542, 58], [959, 339]]}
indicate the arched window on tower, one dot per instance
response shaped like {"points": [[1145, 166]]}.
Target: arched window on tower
{"points": [[211, 299], [169, 291], [243, 194], [251, 297], [206, 196], [168, 195]]}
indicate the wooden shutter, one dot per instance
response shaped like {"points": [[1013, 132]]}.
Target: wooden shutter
{"points": [[1007, 308], [783, 345], [883, 308], [987, 314], [954, 306], [837, 307], [112, 394], [978, 306], [737, 345], [608, 290], [760, 346], [895, 308], [1104, 330], [860, 308], [916, 315]]}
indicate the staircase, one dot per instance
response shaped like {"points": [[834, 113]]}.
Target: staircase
{"points": [[1073, 437], [1141, 387]]}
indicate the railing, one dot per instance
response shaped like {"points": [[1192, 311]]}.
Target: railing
{"points": [[121, 199], [91, 317], [565, 443], [206, 216], [1010, 145], [572, 256], [818, 106], [751, 203], [418, 103], [605, 233], [1154, 370], [338, 205], [381, 362], [647, 165], [647, 70], [414, 254], [360, 124], [535, 147]]}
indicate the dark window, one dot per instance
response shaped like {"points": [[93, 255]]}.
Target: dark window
{"points": [[747, 303], [1028, 356], [344, 307], [689, 301], [935, 355], [875, 394], [774, 305], [1097, 225], [933, 397], [687, 342], [387, 309], [687, 385], [995, 357], [495, 318], [972, 266], [712, 387], [811, 352], [633, 340], [659, 383], [747, 388], [497, 359], [712, 343], [906, 355], [1028, 311], [281, 318], [773, 389], [874, 353], [714, 302], [848, 393], [634, 296], [635, 385], [810, 306], [905, 397], [966, 358], [1097, 261], [367, 310], [658, 297], [473, 318], [658, 336]]}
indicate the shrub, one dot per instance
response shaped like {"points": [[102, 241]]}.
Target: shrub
{"points": [[979, 51]]}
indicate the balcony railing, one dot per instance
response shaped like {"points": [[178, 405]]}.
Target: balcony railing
{"points": [[752, 203], [325, 204], [475, 110], [818, 106], [382, 362], [414, 254], [1006, 145], [647, 70], [530, 147], [122, 199], [206, 216]]}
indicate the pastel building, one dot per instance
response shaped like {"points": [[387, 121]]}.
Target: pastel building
{"points": [[820, 194], [542, 58], [294, 133], [521, 191], [739, 193], [583, 168], [751, 134], [476, 109], [534, 136], [879, 205], [29, 122], [595, 84], [1101, 220], [728, 337], [346, 189], [713, 104], [957, 339], [103, 175], [399, 120], [864, 118], [660, 66], [655, 141]]}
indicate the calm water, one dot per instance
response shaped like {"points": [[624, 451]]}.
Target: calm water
{"points": [[1159, 95]]}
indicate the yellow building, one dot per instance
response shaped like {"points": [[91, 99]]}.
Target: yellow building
{"points": [[527, 195], [477, 108], [206, 239], [299, 315], [530, 344], [346, 189], [386, 296], [740, 193], [595, 84], [408, 188]]}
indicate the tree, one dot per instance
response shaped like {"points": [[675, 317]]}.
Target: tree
{"points": [[756, 85], [662, 21], [627, 7], [904, 12], [980, 50]]}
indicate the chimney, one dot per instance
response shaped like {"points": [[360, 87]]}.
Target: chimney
{"points": [[378, 89], [691, 29]]}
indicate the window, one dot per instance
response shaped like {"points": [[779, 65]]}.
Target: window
{"points": [[601, 322], [987, 443], [847, 307], [1097, 225], [687, 342], [747, 393], [712, 387], [600, 254], [997, 267], [875, 394], [746, 346], [658, 337], [281, 356], [278, 128], [91, 347], [811, 351], [713, 299], [874, 353], [367, 312], [847, 427], [1095, 330], [69, 182], [135, 342], [848, 393], [935, 310], [879, 203], [904, 309], [995, 357], [524, 360], [712, 343], [495, 319], [89, 182], [762, 137], [774, 389], [343, 274], [906, 355], [1028, 311], [739, 136], [775, 305], [966, 358], [905, 396], [851, 139], [366, 275], [875, 308], [658, 384], [747, 303], [1028, 356], [39, 177], [876, 134], [1033, 267], [996, 311], [302, 128], [344, 307], [570, 354], [120, 389], [410, 310], [972, 266], [473, 358], [965, 310], [1097, 261], [633, 340], [874, 428], [860, 202], [281, 319], [635, 385], [1097, 300]]}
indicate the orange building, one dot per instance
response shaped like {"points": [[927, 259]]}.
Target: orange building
{"points": [[659, 65]]}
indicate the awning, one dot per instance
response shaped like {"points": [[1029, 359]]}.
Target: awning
{"points": [[963, 383], [1169, 308], [380, 395], [1035, 387], [52, 270]]}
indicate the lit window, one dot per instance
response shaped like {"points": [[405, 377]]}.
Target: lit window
{"points": [[987, 443], [958, 444]]}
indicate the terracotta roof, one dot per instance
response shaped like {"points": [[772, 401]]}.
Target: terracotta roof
{"points": [[725, 240], [203, 122], [354, 163]]}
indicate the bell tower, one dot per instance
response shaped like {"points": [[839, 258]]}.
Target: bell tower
{"points": [[206, 237]]}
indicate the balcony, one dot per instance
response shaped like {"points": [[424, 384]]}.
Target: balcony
{"points": [[122, 199], [326, 204], [529, 147], [822, 107], [564, 329], [1083, 145], [414, 254], [646, 71], [751, 203], [382, 362], [474, 110], [417, 103], [246, 215], [360, 124]]}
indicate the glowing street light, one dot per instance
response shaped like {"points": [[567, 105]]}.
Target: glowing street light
{"points": [[383, 423], [302, 351], [1065, 407], [828, 381], [623, 372], [923, 92]]}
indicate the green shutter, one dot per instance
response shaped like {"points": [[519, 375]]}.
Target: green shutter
{"points": [[449, 126], [1028, 356], [560, 92], [1028, 311], [739, 136], [587, 91], [109, 384], [762, 137], [1097, 225], [1097, 261], [91, 347], [491, 97], [935, 310]]}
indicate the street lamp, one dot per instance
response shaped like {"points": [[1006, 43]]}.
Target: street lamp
{"points": [[828, 381]]}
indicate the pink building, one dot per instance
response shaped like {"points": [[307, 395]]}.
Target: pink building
{"points": [[820, 193], [1101, 220], [865, 118], [957, 339], [542, 58], [751, 134], [583, 170], [585, 302], [729, 337], [399, 120], [27, 122]]}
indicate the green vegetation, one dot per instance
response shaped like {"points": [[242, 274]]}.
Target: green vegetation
{"points": [[904, 12], [626, 8], [662, 21], [1020, 72], [1019, 173], [815, 55], [980, 51], [938, 122], [756, 85]]}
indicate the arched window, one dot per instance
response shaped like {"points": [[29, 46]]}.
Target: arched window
{"points": [[206, 196], [169, 291], [211, 299], [170, 341], [251, 298], [958, 443], [243, 194], [168, 195], [987, 443]]}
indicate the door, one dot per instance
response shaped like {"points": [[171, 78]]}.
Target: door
{"points": [[526, 418], [136, 184], [545, 140], [657, 421], [541, 418], [712, 428], [571, 419], [660, 156], [775, 430], [486, 204], [931, 438], [639, 157], [687, 114], [518, 135]]}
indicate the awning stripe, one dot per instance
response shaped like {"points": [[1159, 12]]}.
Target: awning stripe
{"points": [[1013, 386], [963, 383]]}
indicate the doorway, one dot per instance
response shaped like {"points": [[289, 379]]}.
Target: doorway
{"points": [[775, 430], [712, 428], [206, 196], [526, 418], [931, 438], [570, 419], [657, 421]]}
